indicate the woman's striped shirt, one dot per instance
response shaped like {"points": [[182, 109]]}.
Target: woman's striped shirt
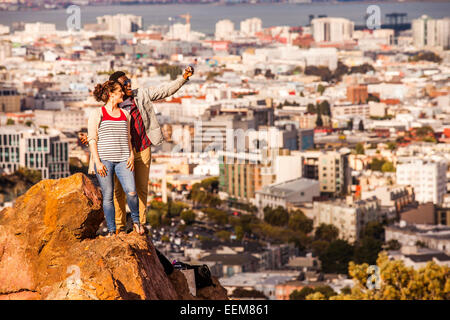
{"points": [[113, 138]]}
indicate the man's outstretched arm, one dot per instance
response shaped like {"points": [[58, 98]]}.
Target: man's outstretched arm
{"points": [[167, 89]]}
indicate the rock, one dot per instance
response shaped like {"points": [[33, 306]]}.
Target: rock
{"points": [[48, 250]]}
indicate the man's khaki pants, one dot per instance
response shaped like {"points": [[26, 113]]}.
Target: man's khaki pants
{"points": [[141, 171]]}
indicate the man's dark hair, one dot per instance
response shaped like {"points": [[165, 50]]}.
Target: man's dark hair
{"points": [[116, 75]]}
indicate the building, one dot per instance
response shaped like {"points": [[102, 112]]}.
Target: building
{"points": [[5, 49], [305, 139], [357, 94], [222, 133], [242, 174], [286, 194], [121, 24], [264, 282], [432, 237], [398, 197], [332, 29], [224, 29], [428, 32], [349, 216], [34, 149], [64, 119], [9, 100], [234, 263], [416, 257], [330, 168], [39, 28], [427, 177], [251, 26]]}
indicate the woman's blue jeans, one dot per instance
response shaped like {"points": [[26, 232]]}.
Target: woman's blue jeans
{"points": [[126, 178]]}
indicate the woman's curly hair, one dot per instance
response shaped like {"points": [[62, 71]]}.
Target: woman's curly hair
{"points": [[103, 91]]}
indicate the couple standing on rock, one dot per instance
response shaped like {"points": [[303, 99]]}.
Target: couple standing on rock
{"points": [[120, 134]]}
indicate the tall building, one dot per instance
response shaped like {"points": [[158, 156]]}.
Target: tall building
{"points": [[121, 24], [332, 29], [243, 173], [9, 100], [224, 29], [428, 32], [251, 26], [25, 147], [357, 94], [350, 217], [427, 177], [331, 168]]}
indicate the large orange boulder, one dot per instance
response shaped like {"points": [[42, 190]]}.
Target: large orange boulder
{"points": [[49, 250]]}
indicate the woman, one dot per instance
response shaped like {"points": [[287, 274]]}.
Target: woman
{"points": [[110, 145]]}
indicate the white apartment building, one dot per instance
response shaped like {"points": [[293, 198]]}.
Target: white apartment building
{"points": [[361, 110], [428, 32], [224, 29], [39, 28], [25, 147], [349, 216], [180, 31], [121, 24], [332, 29], [250, 27], [291, 192], [427, 177], [65, 119], [4, 29]]}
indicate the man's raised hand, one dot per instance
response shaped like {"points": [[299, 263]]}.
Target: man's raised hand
{"points": [[188, 72]]}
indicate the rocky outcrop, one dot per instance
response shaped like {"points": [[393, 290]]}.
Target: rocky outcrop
{"points": [[49, 250]]}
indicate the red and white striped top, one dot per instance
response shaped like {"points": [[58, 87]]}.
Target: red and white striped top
{"points": [[113, 137]]}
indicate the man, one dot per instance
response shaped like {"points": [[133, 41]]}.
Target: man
{"points": [[145, 131]]}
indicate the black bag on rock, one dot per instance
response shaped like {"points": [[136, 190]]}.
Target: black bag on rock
{"points": [[201, 272]]}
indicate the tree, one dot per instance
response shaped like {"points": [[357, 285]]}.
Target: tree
{"points": [[350, 124], [336, 257], [388, 167], [398, 282], [9, 122], [311, 108], [276, 217], [216, 215], [28, 123], [367, 249], [319, 121], [188, 216], [223, 235], [320, 89], [326, 232], [324, 108], [361, 125], [392, 145], [154, 218], [359, 148], [319, 247], [299, 222], [393, 245], [301, 295]]}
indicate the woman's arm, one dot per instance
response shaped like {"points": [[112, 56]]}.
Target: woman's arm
{"points": [[130, 161], [93, 122]]}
